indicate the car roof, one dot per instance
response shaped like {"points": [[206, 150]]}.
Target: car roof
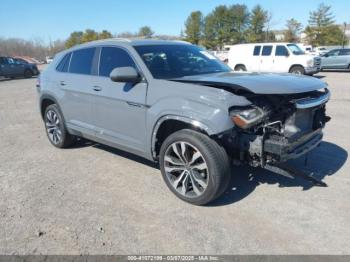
{"points": [[132, 42]]}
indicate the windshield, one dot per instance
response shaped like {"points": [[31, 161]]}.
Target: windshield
{"points": [[174, 61], [295, 49]]}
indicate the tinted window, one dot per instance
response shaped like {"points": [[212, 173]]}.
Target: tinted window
{"points": [[345, 52], [267, 49], [63, 65], [3, 60], [81, 61], [281, 51], [257, 49], [112, 57], [179, 60], [334, 52]]}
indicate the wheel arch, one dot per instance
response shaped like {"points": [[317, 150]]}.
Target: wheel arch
{"points": [[45, 101], [240, 64], [168, 124], [294, 65]]}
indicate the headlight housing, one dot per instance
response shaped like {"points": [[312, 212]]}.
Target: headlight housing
{"points": [[310, 62], [247, 117]]}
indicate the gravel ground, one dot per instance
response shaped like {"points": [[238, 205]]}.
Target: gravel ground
{"points": [[92, 199]]}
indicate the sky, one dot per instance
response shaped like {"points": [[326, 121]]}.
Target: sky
{"points": [[51, 20]]}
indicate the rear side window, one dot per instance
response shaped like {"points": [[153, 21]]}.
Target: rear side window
{"points": [[266, 51], [345, 52], [81, 61], [257, 49], [113, 57], [281, 51], [63, 65]]}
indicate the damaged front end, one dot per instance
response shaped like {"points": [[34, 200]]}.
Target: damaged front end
{"points": [[276, 128]]}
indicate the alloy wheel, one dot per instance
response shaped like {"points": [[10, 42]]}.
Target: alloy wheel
{"points": [[53, 127], [186, 169]]}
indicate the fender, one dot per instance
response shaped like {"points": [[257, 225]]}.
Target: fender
{"points": [[184, 119]]}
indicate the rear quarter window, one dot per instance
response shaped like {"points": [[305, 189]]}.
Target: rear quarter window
{"points": [[64, 63], [81, 61]]}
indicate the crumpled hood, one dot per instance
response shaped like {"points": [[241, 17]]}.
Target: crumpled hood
{"points": [[257, 83]]}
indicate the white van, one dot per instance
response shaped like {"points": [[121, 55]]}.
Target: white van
{"points": [[274, 58]]}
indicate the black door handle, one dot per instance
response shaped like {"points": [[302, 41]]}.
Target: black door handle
{"points": [[97, 88], [62, 83]]}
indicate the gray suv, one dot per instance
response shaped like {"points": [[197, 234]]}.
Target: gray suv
{"points": [[174, 103], [336, 59]]}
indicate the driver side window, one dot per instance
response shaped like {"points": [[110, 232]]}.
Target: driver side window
{"points": [[113, 57]]}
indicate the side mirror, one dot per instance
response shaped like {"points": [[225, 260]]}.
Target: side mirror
{"points": [[325, 55], [125, 75], [286, 55]]}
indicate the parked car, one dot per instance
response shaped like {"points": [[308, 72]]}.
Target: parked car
{"points": [[49, 59], [336, 59], [11, 67], [176, 104], [273, 58]]}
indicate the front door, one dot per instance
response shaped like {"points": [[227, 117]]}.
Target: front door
{"points": [[331, 59], [281, 59], [119, 108]]}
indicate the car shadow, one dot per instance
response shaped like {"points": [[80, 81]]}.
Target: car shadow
{"points": [[324, 161], [319, 76], [16, 78]]}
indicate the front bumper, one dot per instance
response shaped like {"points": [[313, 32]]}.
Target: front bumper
{"points": [[312, 70], [282, 150]]}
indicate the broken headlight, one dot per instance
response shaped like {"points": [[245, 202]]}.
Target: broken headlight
{"points": [[247, 117]]}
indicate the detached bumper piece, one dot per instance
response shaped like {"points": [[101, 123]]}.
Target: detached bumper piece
{"points": [[287, 170]]}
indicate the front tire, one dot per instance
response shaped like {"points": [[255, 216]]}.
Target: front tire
{"points": [[297, 70], [28, 73], [194, 167], [55, 128]]}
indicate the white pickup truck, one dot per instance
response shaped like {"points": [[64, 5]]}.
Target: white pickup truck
{"points": [[274, 58]]}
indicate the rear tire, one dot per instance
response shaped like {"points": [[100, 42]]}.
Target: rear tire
{"points": [[28, 73], [298, 70], [56, 129], [194, 167], [240, 68]]}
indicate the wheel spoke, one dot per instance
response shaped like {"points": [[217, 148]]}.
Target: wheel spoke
{"points": [[183, 151], [201, 166], [171, 160], [184, 187], [195, 156], [175, 168], [179, 178], [174, 147], [194, 185], [199, 179]]}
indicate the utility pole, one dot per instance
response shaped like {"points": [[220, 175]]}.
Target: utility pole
{"points": [[344, 35]]}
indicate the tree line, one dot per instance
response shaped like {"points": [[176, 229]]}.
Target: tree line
{"points": [[235, 24], [224, 25]]}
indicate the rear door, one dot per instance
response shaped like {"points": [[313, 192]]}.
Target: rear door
{"points": [[75, 83], [119, 108], [266, 59], [281, 59]]}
